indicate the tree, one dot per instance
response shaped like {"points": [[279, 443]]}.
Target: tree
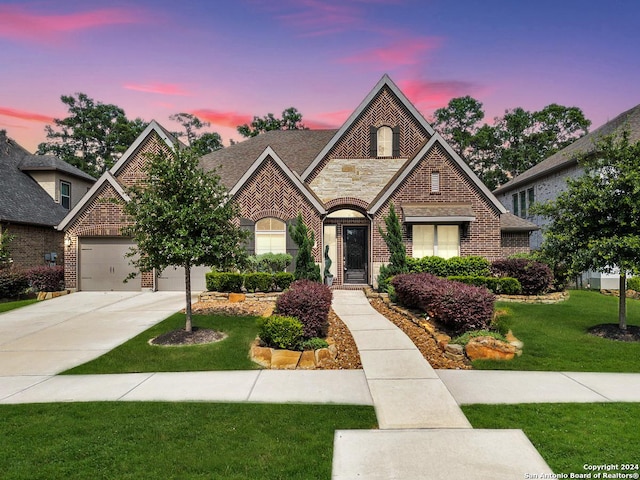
{"points": [[93, 136], [201, 143], [393, 238], [291, 120], [596, 221], [458, 122], [182, 216], [304, 238]]}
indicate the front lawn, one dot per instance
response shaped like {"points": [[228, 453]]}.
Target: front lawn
{"points": [[172, 440], [137, 355], [555, 336], [570, 435], [7, 306]]}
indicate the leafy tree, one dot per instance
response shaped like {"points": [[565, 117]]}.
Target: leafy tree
{"points": [[5, 253], [291, 120], [458, 122], [182, 216], [596, 221], [201, 143], [93, 136], [393, 238], [306, 267]]}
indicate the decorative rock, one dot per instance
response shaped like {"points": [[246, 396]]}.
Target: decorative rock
{"points": [[488, 348], [511, 338], [323, 354], [307, 360], [261, 355], [333, 350], [428, 327], [454, 356], [268, 312], [442, 340], [454, 348], [237, 297], [285, 359]]}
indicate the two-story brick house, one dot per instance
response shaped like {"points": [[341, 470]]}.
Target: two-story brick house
{"points": [[342, 181]]}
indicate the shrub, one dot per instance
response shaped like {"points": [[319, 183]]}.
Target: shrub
{"points": [[434, 265], [306, 268], [634, 283], [283, 280], [258, 282], [224, 281], [472, 265], [313, 344], [384, 277], [458, 306], [280, 332], [501, 285], [534, 277], [270, 262], [46, 279], [13, 282], [393, 239], [310, 303]]}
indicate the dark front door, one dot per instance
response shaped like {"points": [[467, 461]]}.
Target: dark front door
{"points": [[355, 255]]}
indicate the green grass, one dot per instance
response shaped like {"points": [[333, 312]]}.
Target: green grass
{"points": [[137, 355], [555, 336], [570, 435], [172, 440], [6, 306]]}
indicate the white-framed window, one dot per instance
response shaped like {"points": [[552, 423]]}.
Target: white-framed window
{"points": [[271, 236], [65, 194], [436, 240], [385, 141]]}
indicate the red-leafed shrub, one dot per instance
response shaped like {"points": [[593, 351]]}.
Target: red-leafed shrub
{"points": [[534, 277], [46, 279], [458, 306], [310, 303]]}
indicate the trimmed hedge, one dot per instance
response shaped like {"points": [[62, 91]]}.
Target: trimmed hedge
{"points": [[258, 282], [534, 277], [280, 332], [283, 280], [252, 282], [497, 285], [455, 266], [13, 282], [46, 279], [310, 303], [270, 262], [224, 281], [456, 305]]}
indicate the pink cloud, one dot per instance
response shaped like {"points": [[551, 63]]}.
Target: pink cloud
{"points": [[159, 88], [328, 120], [225, 119], [435, 94], [400, 53], [318, 17], [18, 23], [22, 115]]}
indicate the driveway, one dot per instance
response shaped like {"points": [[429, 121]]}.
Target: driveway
{"points": [[49, 337]]}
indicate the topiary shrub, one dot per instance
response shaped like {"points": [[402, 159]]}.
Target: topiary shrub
{"points": [[534, 277], [13, 282], [258, 282], [224, 281], [46, 279], [384, 277], [283, 280], [310, 303], [306, 267], [280, 332], [633, 283]]}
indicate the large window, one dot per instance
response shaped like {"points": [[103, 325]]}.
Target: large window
{"points": [[522, 202], [436, 240], [385, 142], [65, 194], [271, 236]]}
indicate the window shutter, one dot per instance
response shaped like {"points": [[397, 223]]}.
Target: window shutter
{"points": [[396, 141], [292, 248], [373, 147], [250, 243]]}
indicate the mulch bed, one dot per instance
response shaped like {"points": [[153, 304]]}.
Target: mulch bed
{"points": [[612, 332], [181, 337]]}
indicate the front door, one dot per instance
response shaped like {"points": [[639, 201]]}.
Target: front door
{"points": [[355, 255]]}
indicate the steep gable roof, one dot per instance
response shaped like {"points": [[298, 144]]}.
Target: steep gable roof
{"points": [[22, 200], [296, 148], [568, 156]]}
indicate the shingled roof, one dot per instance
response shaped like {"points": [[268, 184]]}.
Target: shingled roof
{"points": [[22, 200], [568, 156], [33, 163], [296, 148]]}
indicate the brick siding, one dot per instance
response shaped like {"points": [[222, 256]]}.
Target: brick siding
{"points": [[31, 243]]}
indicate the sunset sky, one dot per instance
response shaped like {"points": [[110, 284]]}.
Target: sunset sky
{"points": [[227, 60]]}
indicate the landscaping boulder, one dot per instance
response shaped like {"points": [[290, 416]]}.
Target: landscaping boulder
{"points": [[489, 348]]}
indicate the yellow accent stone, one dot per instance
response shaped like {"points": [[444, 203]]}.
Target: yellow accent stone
{"points": [[285, 359]]}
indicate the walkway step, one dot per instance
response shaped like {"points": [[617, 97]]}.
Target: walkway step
{"points": [[438, 454]]}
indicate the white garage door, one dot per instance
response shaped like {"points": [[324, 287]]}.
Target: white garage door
{"points": [[103, 265], [172, 279]]}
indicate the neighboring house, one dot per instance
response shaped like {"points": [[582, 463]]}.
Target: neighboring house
{"points": [[546, 180], [36, 192], [342, 181]]}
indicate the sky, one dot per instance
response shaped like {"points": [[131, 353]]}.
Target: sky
{"points": [[228, 60]]}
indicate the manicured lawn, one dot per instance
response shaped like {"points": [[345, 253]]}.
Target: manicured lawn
{"points": [[137, 355], [172, 440], [555, 336], [570, 435], [6, 306]]}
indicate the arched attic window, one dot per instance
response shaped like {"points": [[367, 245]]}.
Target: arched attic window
{"points": [[385, 141]]}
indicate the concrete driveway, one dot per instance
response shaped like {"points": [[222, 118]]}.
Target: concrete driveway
{"points": [[52, 336]]}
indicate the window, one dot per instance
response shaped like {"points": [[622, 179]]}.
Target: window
{"points": [[435, 182], [532, 196], [385, 142], [522, 201], [523, 204], [65, 194], [436, 240], [271, 236], [514, 198]]}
